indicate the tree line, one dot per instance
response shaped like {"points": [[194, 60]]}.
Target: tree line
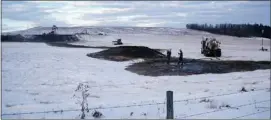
{"points": [[239, 30]]}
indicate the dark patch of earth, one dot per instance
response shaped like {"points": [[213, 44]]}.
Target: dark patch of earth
{"points": [[125, 53], [158, 67], [39, 38], [68, 45], [154, 63]]}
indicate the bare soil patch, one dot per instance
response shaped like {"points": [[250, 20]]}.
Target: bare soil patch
{"points": [[124, 53], [158, 67]]}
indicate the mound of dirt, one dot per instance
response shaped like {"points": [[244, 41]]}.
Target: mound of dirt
{"points": [[124, 53], [158, 67]]}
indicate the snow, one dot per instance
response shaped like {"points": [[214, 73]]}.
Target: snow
{"points": [[110, 30], [37, 78]]}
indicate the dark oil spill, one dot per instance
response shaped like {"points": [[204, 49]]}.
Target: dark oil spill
{"points": [[158, 67]]}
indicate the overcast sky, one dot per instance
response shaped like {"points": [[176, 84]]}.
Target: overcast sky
{"points": [[17, 15]]}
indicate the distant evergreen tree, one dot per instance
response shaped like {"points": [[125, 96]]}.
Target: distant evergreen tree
{"points": [[239, 30]]}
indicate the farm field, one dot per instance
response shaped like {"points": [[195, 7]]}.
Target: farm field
{"points": [[41, 81]]}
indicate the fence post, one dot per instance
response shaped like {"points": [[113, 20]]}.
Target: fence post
{"points": [[170, 105]]}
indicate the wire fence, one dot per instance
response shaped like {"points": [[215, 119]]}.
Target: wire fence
{"points": [[219, 95], [255, 113], [148, 104], [238, 106]]}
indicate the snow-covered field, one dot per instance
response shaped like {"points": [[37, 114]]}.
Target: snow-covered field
{"points": [[38, 80]]}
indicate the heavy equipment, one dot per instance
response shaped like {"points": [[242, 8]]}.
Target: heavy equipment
{"points": [[118, 42], [210, 47]]}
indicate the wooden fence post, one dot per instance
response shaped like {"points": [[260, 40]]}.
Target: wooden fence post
{"points": [[170, 105]]}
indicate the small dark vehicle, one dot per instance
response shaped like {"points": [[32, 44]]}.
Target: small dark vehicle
{"points": [[118, 42]]}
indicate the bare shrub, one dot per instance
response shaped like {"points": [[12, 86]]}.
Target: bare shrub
{"points": [[243, 89], [83, 101], [145, 114], [97, 114], [226, 105]]}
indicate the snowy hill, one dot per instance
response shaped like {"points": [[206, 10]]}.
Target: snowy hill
{"points": [[111, 30]]}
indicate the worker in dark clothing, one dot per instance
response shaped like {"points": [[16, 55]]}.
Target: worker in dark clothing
{"points": [[180, 57], [168, 56], [203, 44]]}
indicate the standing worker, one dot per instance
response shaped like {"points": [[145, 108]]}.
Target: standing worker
{"points": [[203, 42], [180, 57], [168, 55]]}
